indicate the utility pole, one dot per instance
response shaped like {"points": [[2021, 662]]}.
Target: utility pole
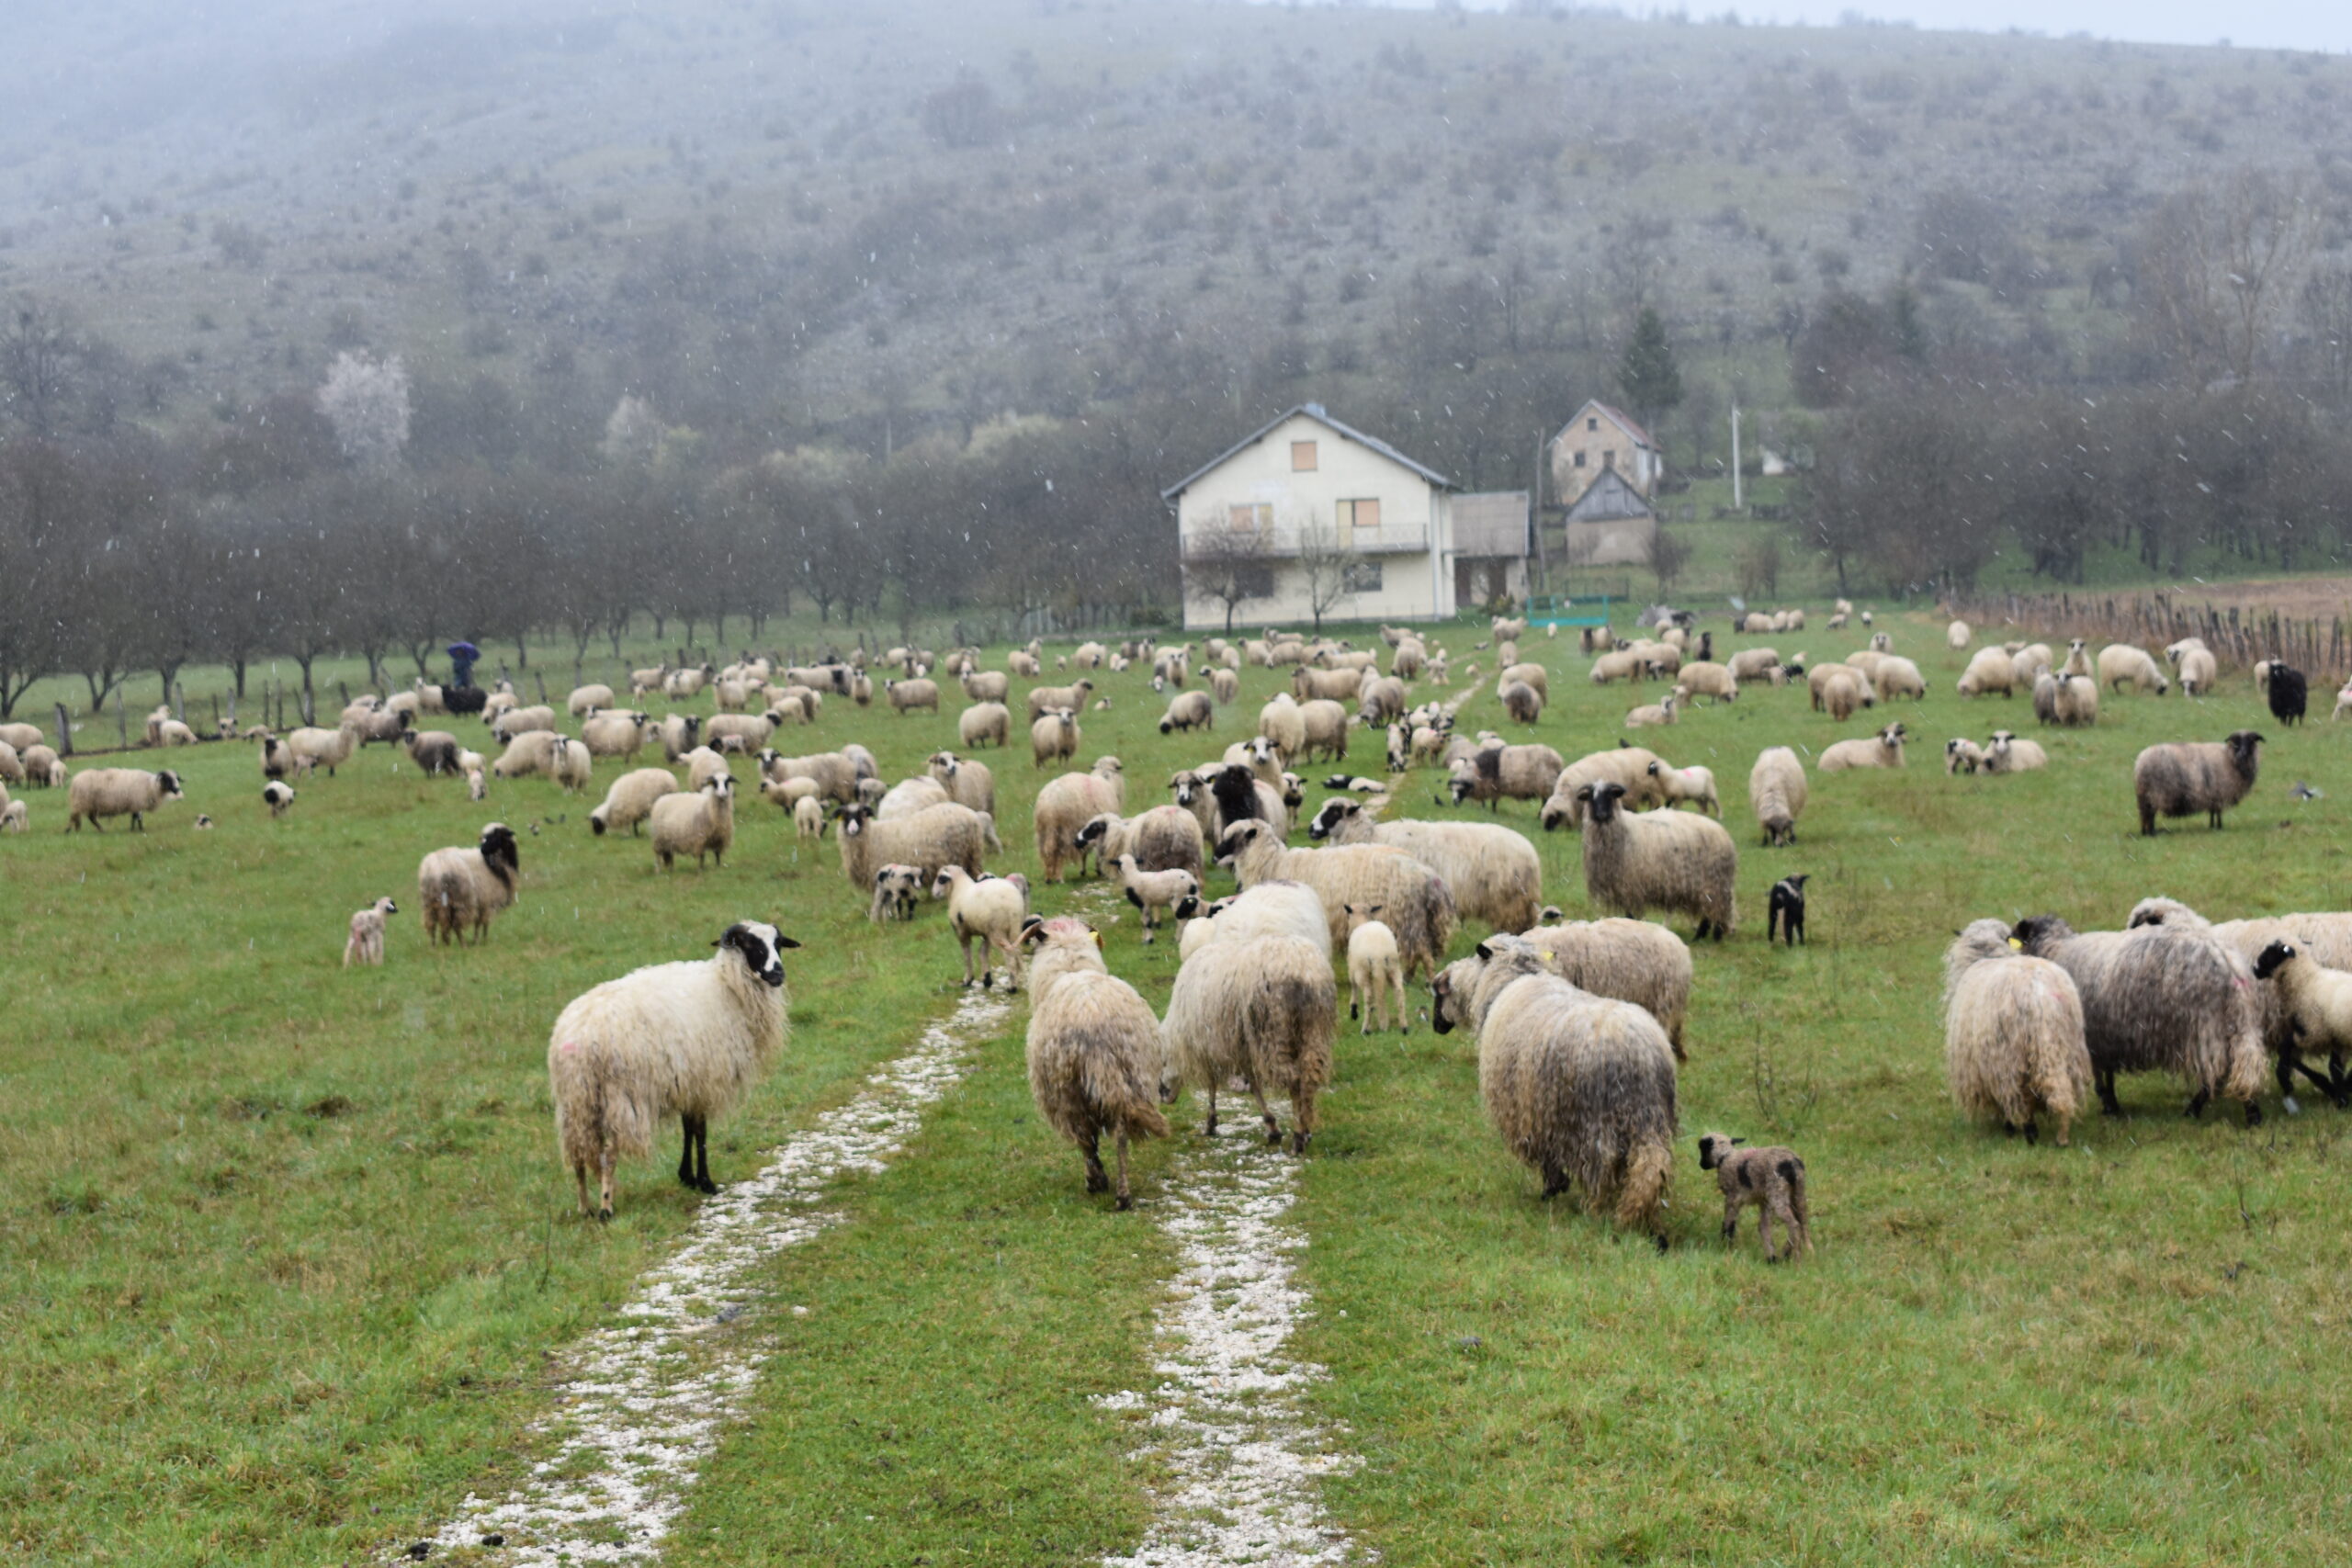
{"points": [[1535, 516], [1738, 504]]}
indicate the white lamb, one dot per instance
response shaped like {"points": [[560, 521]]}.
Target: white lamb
{"points": [[1153, 892], [366, 944], [1375, 971]]}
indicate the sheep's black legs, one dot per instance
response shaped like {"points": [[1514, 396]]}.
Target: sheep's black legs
{"points": [[694, 1155], [685, 1151], [2105, 1077], [1091, 1151], [1125, 1200], [1210, 1131], [2197, 1103]]}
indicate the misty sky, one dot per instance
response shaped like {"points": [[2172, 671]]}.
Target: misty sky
{"points": [[2257, 24]]}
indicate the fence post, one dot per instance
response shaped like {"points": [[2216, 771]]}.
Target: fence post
{"points": [[122, 720], [64, 732]]}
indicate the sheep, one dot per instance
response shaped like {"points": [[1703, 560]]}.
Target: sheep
{"points": [[172, 732], [43, 770], [1529, 674], [1751, 664], [2045, 697], [1581, 1088], [2120, 664], [685, 1040], [1064, 807], [2030, 662], [434, 750], [1785, 916], [2327, 937], [1150, 891], [1883, 750], [989, 910], [616, 732], [1044, 699], [2014, 1036], [1992, 670], [21, 738], [1958, 635], [2181, 778], [745, 732], [986, 685], [1508, 630], [703, 764], [2198, 672], [585, 700], [462, 888], [1962, 756], [1776, 792], [1257, 755], [1843, 692], [809, 819], [1687, 787], [1379, 699], [2157, 997], [1268, 908], [1493, 872], [905, 696], [366, 943], [679, 733], [1054, 737], [909, 795], [835, 774], [2288, 692], [2008, 754], [497, 703], [1772, 1178], [1653, 715], [935, 837], [1704, 678], [521, 721], [680, 684], [1233, 794], [983, 724], [1266, 1010], [630, 800], [1496, 772], [1419, 906], [530, 754], [1820, 676], [1187, 711], [1670, 861], [313, 748], [1282, 722], [700, 823], [12, 766], [278, 795], [2315, 1003], [968, 783], [1166, 838], [1094, 1050], [99, 792], [1898, 678], [895, 888], [1324, 729], [1374, 972]]}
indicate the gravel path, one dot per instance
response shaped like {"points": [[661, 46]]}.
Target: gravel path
{"points": [[644, 1400]]}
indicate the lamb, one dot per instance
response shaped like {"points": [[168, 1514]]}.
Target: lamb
{"points": [[1772, 1178], [2181, 778], [809, 819], [1054, 737], [1670, 861], [1496, 772], [614, 732], [1493, 872], [1785, 916], [2120, 664], [908, 796], [1883, 750], [16, 816], [1957, 635], [2160, 997], [1266, 1010], [462, 888], [1776, 791], [99, 792], [2316, 1003], [935, 837], [585, 700], [1187, 711], [1166, 838], [2014, 1040], [1581, 1088], [1151, 891], [895, 888], [1419, 906], [1374, 971], [685, 1040], [989, 910], [328, 749], [630, 800], [366, 943], [1065, 806], [1962, 756], [1687, 787], [1094, 1050], [1990, 670], [2008, 754], [278, 795], [1654, 714]]}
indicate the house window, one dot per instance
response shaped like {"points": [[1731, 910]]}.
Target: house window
{"points": [[1243, 517], [1302, 456], [1355, 515], [1593, 424], [1609, 457], [1254, 581], [1361, 577], [1580, 463]]}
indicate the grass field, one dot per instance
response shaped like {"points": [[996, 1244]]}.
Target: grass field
{"points": [[286, 1249]]}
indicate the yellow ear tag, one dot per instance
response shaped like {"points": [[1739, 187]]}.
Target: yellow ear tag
{"points": [[2017, 944], [1097, 936]]}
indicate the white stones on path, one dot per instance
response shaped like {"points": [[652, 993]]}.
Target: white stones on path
{"points": [[644, 1400], [1226, 1419]]}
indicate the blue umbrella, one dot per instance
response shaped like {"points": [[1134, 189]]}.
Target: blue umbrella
{"points": [[463, 650]]}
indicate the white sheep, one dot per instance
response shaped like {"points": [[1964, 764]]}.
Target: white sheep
{"points": [[685, 1040], [983, 724], [278, 795], [630, 800], [809, 819], [699, 823], [990, 911], [16, 816], [366, 943], [1264, 1010], [2009, 754], [1375, 973], [1091, 1050], [100, 793], [2121, 664], [1693, 786], [1883, 750], [462, 888], [1054, 737], [1668, 860], [1776, 791], [1153, 892]]}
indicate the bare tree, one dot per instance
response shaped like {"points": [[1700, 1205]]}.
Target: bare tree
{"points": [[1226, 564], [1329, 563], [2214, 266], [2326, 308], [367, 400]]}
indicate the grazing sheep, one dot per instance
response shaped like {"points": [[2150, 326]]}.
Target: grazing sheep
{"points": [[2198, 672], [1054, 737], [366, 943], [1883, 750], [1581, 1088], [1187, 711], [2014, 1041], [1625, 765], [1494, 772], [1962, 756], [1772, 1178], [16, 816], [630, 800], [935, 837], [1374, 972], [909, 795], [2181, 778], [521, 721], [700, 823], [2289, 694], [1166, 838], [1282, 722], [585, 700], [1629, 961], [1493, 872], [1044, 699], [2120, 664], [1063, 809], [1266, 1010], [1776, 792], [1716, 682], [2008, 754], [1522, 702], [1898, 678], [984, 724], [1819, 679], [989, 910], [1991, 669], [435, 751], [2327, 937], [1669, 860], [462, 888], [278, 795], [43, 770], [1417, 905], [99, 792], [2163, 998], [1151, 891], [1957, 635], [1324, 730], [1752, 664], [1379, 699], [685, 1040], [1094, 1050], [895, 888], [908, 695]]}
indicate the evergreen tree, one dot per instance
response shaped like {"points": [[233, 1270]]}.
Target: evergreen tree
{"points": [[1647, 375]]}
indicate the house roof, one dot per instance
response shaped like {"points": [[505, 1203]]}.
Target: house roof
{"points": [[1492, 523], [1609, 498], [1624, 421], [1314, 412]]}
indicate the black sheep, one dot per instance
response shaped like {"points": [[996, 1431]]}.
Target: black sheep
{"points": [[2289, 694], [1786, 915], [1234, 790]]}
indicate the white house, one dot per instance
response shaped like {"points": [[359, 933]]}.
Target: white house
{"points": [[1307, 515]]}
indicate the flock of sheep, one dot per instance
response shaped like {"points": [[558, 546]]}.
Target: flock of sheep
{"points": [[1579, 1024]]}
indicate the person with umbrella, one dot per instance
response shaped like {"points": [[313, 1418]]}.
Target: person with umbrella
{"points": [[461, 663]]}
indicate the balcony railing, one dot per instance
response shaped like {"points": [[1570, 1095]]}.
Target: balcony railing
{"points": [[1279, 543]]}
